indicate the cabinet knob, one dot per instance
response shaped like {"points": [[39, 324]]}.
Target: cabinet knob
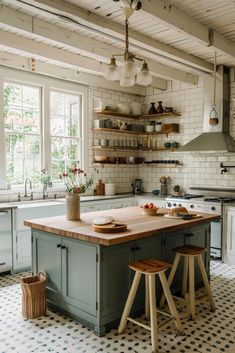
{"points": [[63, 247], [58, 245], [189, 235]]}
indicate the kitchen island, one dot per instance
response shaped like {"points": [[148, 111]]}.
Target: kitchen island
{"points": [[88, 275]]}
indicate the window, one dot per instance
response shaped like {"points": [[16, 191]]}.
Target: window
{"points": [[22, 128], [65, 129]]}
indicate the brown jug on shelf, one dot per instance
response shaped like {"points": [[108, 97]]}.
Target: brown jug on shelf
{"points": [[152, 109], [160, 109]]}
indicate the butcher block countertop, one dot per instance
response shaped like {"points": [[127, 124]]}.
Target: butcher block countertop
{"points": [[138, 225]]}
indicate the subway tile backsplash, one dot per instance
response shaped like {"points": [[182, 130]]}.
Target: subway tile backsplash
{"points": [[197, 168]]}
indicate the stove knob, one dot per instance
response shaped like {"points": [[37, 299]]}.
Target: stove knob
{"points": [[213, 208], [191, 206], [169, 204], [180, 204], [174, 204]]}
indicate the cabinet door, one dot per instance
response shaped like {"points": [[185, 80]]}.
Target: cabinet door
{"points": [[200, 236], [47, 258], [79, 274], [22, 253], [149, 248], [229, 235], [230, 221], [115, 278], [171, 241]]}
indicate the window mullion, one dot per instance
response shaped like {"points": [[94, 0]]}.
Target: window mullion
{"points": [[46, 155], [2, 140]]}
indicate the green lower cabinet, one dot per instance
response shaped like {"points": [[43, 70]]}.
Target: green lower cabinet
{"points": [[170, 241], [91, 282], [200, 236], [79, 278], [47, 258], [116, 277], [71, 267]]}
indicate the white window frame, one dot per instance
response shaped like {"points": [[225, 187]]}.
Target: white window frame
{"points": [[47, 84], [40, 133]]}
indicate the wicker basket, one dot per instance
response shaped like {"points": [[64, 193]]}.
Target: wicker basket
{"points": [[34, 296]]}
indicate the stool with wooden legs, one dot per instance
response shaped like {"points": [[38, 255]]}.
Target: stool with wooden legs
{"points": [[150, 268], [189, 253]]}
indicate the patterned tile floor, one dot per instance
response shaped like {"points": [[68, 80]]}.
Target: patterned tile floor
{"points": [[212, 332]]}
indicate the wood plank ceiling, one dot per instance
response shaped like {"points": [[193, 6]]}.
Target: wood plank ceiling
{"points": [[177, 37]]}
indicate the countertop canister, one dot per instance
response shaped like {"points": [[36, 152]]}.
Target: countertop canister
{"points": [[109, 189]]}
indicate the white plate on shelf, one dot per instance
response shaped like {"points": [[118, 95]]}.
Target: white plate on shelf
{"points": [[176, 217]]}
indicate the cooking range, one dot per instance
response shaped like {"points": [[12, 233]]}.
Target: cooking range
{"points": [[206, 204]]}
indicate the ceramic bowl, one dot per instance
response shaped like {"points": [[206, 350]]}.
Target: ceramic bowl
{"points": [[101, 159], [149, 211], [149, 128], [123, 108]]}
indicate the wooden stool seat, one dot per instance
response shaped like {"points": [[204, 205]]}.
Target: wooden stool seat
{"points": [[149, 266], [191, 250], [190, 253]]}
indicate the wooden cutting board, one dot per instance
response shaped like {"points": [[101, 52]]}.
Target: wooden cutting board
{"points": [[114, 227]]}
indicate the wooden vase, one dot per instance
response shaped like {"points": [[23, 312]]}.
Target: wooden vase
{"points": [[73, 207]]}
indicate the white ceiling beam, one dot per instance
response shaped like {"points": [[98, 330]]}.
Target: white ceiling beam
{"points": [[42, 68], [40, 51], [182, 22], [88, 46], [45, 51], [109, 28]]}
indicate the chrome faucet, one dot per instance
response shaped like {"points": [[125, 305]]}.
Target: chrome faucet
{"points": [[44, 192], [25, 186]]}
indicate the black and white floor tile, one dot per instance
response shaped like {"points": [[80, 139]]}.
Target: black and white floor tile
{"points": [[210, 333]]}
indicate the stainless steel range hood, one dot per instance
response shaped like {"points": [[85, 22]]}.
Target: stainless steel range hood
{"points": [[214, 138]]}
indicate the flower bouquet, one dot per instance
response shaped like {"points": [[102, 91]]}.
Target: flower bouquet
{"points": [[76, 182]]}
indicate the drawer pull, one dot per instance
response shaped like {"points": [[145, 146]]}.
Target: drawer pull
{"points": [[189, 235]]}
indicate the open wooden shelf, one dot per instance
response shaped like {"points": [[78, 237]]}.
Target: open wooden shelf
{"points": [[117, 115], [124, 148], [163, 115], [168, 129], [136, 117], [116, 164], [166, 165]]}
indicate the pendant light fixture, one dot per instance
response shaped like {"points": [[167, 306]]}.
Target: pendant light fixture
{"points": [[129, 74], [214, 117]]}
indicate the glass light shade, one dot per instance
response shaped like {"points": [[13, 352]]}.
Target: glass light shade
{"points": [[143, 77], [112, 72], [129, 69], [127, 82]]}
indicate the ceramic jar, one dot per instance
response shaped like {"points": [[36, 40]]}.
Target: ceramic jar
{"points": [[160, 109], [73, 207], [152, 109]]}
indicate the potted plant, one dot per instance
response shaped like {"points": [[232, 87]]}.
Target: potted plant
{"points": [[176, 190]]}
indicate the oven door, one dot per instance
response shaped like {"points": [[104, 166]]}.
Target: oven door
{"points": [[216, 239]]}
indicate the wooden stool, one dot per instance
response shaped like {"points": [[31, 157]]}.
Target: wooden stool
{"points": [[189, 252], [150, 268]]}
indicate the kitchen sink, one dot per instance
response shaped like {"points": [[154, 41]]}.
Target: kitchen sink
{"points": [[34, 203]]}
